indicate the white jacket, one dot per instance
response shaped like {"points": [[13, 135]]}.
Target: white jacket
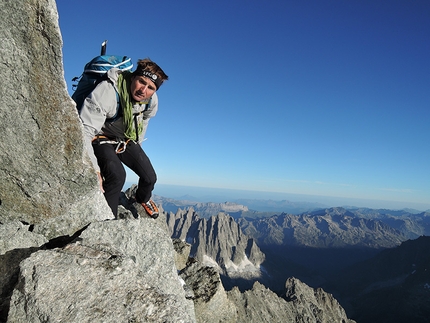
{"points": [[101, 105]]}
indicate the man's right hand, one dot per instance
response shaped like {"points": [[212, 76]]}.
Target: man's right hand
{"points": [[100, 182]]}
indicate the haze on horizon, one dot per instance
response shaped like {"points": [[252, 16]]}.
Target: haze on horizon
{"points": [[219, 195]]}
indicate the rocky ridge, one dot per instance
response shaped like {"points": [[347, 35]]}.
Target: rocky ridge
{"points": [[218, 242], [334, 230]]}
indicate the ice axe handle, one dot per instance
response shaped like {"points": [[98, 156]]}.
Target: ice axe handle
{"points": [[103, 50]]}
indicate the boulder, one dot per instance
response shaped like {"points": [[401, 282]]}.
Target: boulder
{"points": [[209, 296], [115, 271]]}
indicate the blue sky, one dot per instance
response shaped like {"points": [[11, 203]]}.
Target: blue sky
{"points": [[327, 98]]}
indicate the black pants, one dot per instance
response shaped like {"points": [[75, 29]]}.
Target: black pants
{"points": [[114, 174]]}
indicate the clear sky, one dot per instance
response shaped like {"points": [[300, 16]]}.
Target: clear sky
{"points": [[318, 97]]}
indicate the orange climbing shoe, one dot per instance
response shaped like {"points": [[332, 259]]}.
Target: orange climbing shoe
{"points": [[151, 209]]}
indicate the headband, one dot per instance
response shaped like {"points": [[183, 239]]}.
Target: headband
{"points": [[152, 76]]}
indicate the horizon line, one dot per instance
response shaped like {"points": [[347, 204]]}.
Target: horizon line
{"points": [[280, 196]]}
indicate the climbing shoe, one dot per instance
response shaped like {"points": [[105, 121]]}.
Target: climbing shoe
{"points": [[151, 209]]}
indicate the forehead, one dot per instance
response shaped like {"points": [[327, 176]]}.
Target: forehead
{"points": [[145, 79]]}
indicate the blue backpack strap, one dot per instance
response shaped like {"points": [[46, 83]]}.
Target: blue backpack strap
{"points": [[101, 64]]}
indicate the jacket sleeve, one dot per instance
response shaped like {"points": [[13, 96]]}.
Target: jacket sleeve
{"points": [[98, 106]]}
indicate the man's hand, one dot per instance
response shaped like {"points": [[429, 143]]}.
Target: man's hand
{"points": [[100, 182]]}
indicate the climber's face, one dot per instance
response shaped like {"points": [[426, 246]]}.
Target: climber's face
{"points": [[142, 88]]}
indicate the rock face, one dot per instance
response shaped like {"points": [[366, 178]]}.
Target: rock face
{"points": [[182, 253], [210, 298], [218, 241], [116, 271], [43, 158]]}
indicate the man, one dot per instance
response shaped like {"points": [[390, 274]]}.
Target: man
{"points": [[115, 117]]}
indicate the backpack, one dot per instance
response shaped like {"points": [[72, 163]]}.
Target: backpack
{"points": [[95, 71]]}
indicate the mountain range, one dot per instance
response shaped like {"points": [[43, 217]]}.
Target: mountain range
{"points": [[358, 254], [253, 208]]}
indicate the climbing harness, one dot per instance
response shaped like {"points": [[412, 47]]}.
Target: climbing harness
{"points": [[121, 145]]}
